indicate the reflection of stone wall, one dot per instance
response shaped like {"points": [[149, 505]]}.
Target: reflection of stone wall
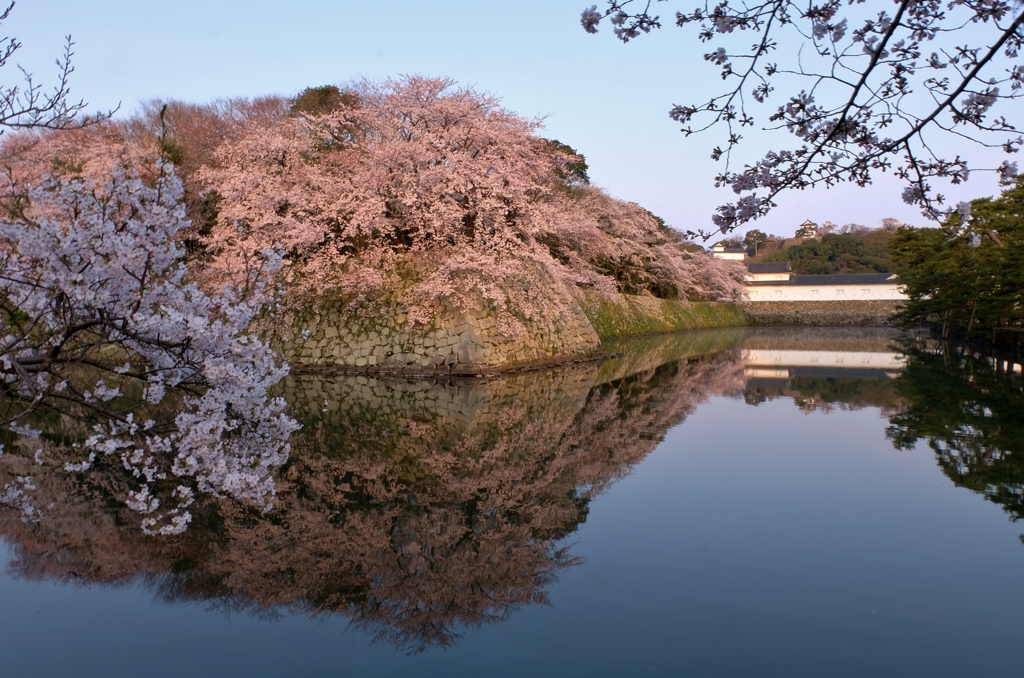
{"points": [[845, 339], [354, 414], [457, 343], [642, 354], [822, 313]]}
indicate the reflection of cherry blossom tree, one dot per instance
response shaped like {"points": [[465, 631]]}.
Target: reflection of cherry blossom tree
{"points": [[102, 325], [396, 509]]}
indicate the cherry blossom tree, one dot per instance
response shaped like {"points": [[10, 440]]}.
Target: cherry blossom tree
{"points": [[366, 196], [104, 331], [863, 91], [143, 349], [891, 224]]}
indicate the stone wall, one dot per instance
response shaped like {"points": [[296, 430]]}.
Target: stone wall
{"points": [[457, 343], [343, 339], [468, 343], [851, 313]]}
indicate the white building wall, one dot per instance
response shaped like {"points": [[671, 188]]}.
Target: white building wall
{"points": [[767, 277], [882, 292]]}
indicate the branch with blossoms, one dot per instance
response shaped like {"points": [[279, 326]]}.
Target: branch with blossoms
{"points": [[104, 331], [862, 93]]}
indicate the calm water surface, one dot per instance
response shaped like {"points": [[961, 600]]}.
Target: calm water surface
{"points": [[729, 503]]}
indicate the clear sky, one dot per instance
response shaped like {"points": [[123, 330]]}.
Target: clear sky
{"points": [[606, 99]]}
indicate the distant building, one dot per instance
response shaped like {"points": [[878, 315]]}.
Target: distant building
{"points": [[776, 282], [808, 229], [720, 252]]}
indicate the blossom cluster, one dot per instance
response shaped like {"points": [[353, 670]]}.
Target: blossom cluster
{"points": [[366, 197], [105, 328]]}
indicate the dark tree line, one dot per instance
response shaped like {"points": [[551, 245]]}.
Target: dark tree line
{"points": [[840, 253], [970, 285]]}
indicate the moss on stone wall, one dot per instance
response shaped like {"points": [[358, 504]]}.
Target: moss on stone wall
{"points": [[633, 315], [337, 338]]}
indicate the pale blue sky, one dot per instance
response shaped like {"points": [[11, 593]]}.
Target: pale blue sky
{"points": [[606, 99]]}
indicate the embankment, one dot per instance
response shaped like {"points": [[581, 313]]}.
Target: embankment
{"points": [[466, 343], [456, 343], [337, 338], [631, 315]]}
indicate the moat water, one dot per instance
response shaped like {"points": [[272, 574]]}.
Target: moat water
{"points": [[784, 502]]}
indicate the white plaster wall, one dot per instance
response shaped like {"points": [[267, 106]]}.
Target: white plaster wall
{"points": [[883, 292], [767, 277]]}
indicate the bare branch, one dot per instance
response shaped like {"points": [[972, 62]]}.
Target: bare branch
{"points": [[29, 106], [852, 127]]}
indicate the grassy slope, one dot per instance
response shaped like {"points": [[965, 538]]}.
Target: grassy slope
{"points": [[646, 315]]}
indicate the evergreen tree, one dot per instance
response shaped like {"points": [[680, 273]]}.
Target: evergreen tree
{"points": [[968, 282]]}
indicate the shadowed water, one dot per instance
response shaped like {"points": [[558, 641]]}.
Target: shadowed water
{"points": [[720, 502]]}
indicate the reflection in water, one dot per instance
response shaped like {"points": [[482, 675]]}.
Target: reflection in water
{"points": [[419, 509], [970, 409], [414, 508], [823, 369]]}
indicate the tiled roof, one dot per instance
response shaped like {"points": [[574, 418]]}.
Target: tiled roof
{"points": [[770, 267], [843, 279]]}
